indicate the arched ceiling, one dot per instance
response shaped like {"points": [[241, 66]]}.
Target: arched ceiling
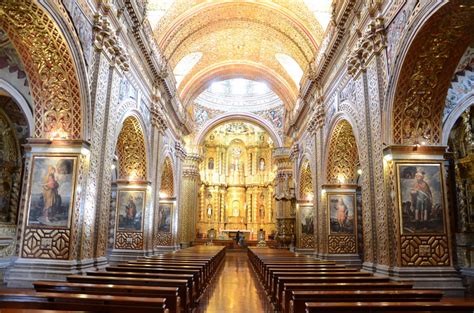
{"points": [[244, 36]]}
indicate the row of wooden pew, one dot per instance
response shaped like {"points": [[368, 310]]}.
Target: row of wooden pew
{"points": [[297, 283], [169, 283]]}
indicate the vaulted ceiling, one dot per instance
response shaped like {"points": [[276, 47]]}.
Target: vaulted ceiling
{"points": [[262, 40]]}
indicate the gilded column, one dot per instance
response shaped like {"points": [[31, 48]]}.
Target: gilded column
{"points": [[284, 197], [189, 206]]}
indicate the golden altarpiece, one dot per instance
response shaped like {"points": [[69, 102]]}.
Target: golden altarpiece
{"points": [[236, 192]]}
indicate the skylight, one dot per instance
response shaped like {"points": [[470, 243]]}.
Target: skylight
{"points": [[185, 66], [291, 67]]}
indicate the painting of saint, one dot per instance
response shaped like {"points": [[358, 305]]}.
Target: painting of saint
{"points": [[164, 217], [52, 185], [130, 205], [341, 207], [421, 198], [261, 165], [307, 220]]}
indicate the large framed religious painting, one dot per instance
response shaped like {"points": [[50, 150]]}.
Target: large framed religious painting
{"points": [[53, 178], [421, 197], [342, 213], [165, 210], [130, 208], [307, 219]]}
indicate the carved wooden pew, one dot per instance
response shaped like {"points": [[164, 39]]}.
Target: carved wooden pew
{"points": [[299, 297], [289, 287], [276, 276], [276, 293], [184, 289], [444, 306], [80, 302], [317, 269], [156, 272], [173, 301], [203, 275]]}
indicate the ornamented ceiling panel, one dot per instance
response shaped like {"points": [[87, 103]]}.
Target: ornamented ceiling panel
{"points": [[247, 34]]}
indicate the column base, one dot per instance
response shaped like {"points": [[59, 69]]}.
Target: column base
{"points": [[446, 279], [352, 260], [24, 272], [369, 267]]}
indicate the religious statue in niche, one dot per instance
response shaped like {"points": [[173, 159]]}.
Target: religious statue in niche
{"points": [[235, 208], [52, 186], [421, 198], [261, 165], [209, 211], [236, 153], [210, 164], [261, 212]]}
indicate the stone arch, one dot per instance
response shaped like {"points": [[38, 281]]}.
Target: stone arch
{"points": [[248, 117], [419, 91], [131, 151], [342, 154], [21, 101], [59, 105], [167, 189], [306, 190]]}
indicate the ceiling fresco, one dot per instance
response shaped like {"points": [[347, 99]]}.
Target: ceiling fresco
{"points": [[209, 41]]}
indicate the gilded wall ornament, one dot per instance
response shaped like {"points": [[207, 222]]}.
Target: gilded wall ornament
{"points": [[50, 68], [131, 151]]}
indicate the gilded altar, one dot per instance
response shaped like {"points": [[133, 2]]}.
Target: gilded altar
{"points": [[236, 181]]}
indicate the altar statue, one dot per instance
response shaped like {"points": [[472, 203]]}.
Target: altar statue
{"points": [[235, 208]]}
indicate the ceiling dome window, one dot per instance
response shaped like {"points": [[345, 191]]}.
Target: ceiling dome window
{"points": [[239, 94], [185, 65], [291, 67]]}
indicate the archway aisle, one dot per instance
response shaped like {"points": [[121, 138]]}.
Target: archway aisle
{"points": [[235, 289]]}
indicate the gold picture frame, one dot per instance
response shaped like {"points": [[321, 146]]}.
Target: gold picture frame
{"points": [[421, 197], [342, 213], [51, 193], [131, 205]]}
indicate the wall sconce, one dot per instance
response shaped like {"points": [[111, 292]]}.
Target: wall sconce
{"points": [[388, 157], [112, 167], [359, 171], [58, 135], [341, 178], [323, 192], [162, 194], [310, 196]]}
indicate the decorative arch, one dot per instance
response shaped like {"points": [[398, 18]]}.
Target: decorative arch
{"points": [[131, 151], [248, 117], [306, 182], [419, 94], [50, 67], [167, 180], [342, 154], [191, 88], [21, 101]]}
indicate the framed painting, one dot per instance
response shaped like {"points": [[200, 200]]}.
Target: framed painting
{"points": [[342, 214], [421, 197], [53, 179], [307, 220], [165, 210], [130, 208]]}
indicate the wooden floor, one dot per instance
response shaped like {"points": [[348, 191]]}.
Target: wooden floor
{"points": [[235, 289]]}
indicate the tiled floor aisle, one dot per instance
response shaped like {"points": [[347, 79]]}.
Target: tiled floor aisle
{"points": [[235, 289]]}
